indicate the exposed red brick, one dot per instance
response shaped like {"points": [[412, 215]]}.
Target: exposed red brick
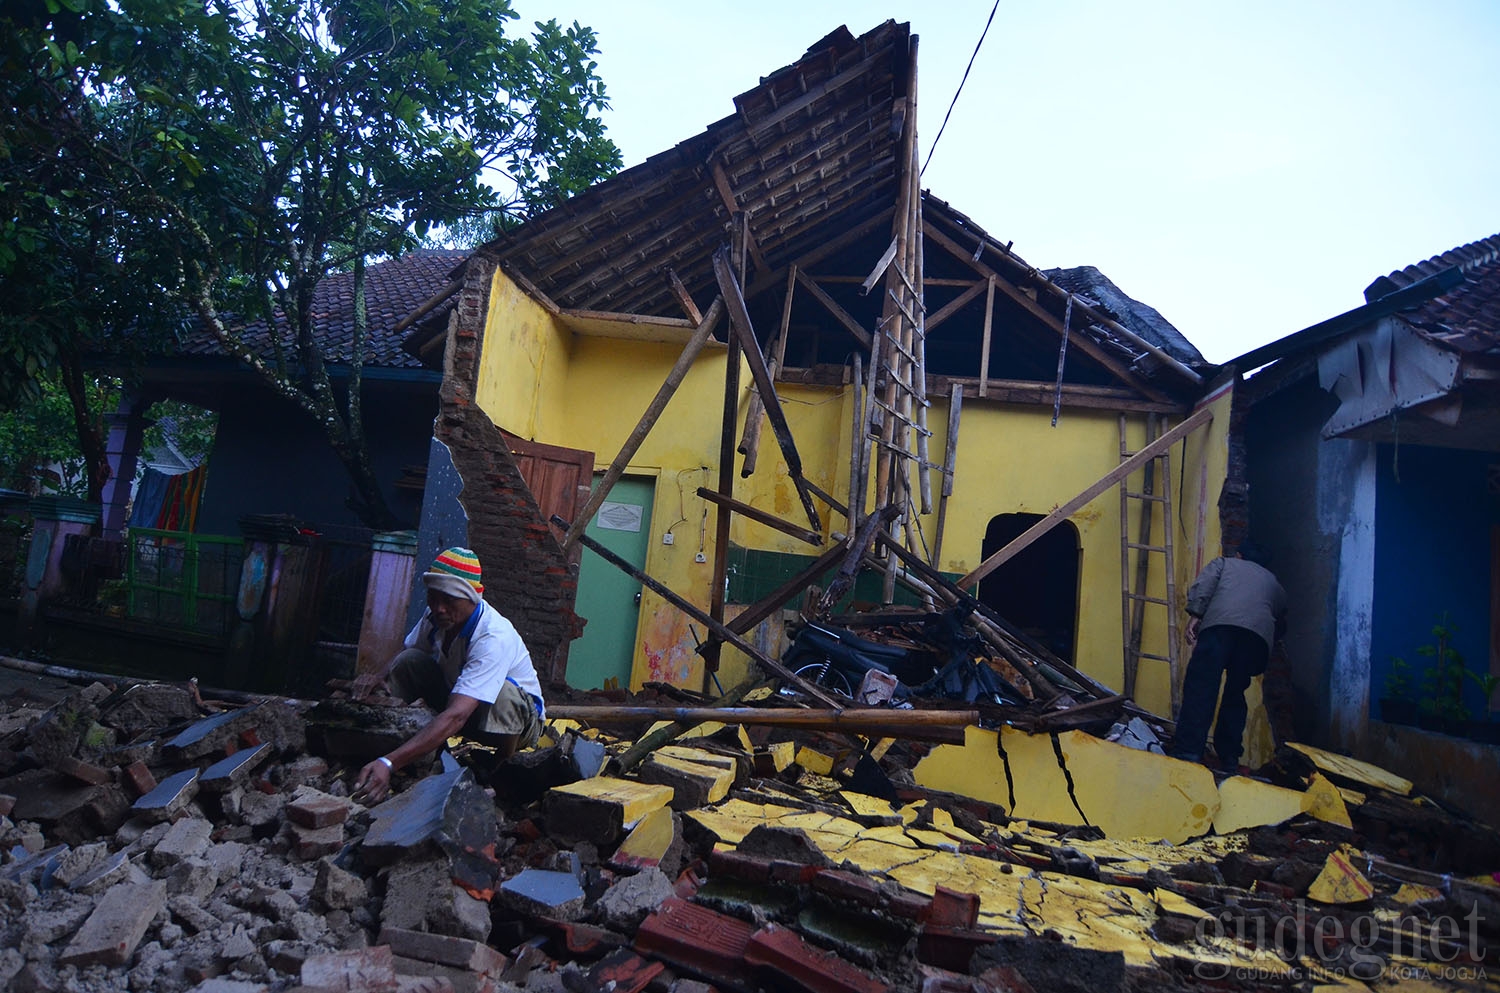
{"points": [[950, 908], [847, 886], [738, 865], [249, 738], [318, 811], [138, 778], [783, 951], [624, 971], [695, 938], [84, 772]]}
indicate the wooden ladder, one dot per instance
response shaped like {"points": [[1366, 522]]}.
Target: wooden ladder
{"points": [[1133, 586]]}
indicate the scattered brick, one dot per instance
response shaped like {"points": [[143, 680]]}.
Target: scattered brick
{"points": [[116, 926], [312, 809], [314, 843], [783, 951], [695, 938], [138, 778], [460, 953], [366, 970], [84, 772]]}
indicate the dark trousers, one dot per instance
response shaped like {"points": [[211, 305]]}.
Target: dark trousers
{"points": [[1236, 654]]}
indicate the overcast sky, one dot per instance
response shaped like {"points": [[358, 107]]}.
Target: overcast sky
{"points": [[1245, 168]]}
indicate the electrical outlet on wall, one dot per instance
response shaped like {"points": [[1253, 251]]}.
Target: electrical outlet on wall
{"points": [[667, 539], [700, 558]]}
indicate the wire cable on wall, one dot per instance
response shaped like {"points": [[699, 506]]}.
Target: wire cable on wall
{"points": [[960, 89]]}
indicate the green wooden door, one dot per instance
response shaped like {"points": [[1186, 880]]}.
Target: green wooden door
{"points": [[607, 598]]}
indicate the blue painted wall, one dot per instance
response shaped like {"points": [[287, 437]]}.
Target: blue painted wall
{"points": [[1433, 517]]}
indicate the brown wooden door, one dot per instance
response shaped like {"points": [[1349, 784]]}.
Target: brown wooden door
{"points": [[560, 478]]}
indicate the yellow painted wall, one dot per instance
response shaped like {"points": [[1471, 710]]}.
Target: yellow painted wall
{"points": [[543, 382]]}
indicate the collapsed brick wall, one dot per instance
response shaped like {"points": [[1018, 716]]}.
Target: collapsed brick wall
{"points": [[527, 576]]}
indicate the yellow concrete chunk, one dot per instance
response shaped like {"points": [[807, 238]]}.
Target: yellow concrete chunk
{"points": [[783, 754], [1129, 793], [1246, 803], [909, 812], [1409, 893], [1323, 801], [634, 799], [975, 769], [1174, 903], [731, 820], [647, 843], [697, 755], [694, 783], [814, 761], [1340, 882], [757, 694], [877, 856], [1360, 772], [881, 747], [867, 806]]}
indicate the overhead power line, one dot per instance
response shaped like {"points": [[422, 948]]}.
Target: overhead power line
{"points": [[961, 83]]}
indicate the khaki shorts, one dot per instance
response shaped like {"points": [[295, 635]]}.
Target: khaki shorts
{"points": [[416, 676]]}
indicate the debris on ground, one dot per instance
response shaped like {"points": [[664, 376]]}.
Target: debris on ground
{"points": [[149, 845]]}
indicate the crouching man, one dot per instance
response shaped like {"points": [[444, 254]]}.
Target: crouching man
{"points": [[467, 663]]}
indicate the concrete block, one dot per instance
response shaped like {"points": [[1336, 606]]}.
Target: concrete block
{"points": [[418, 976], [55, 920], [227, 857], [170, 796], [192, 878], [312, 808], [77, 862], [219, 984], [696, 939], [460, 953], [138, 779], [694, 784], [186, 839], [783, 952], [103, 874], [598, 810], [544, 893], [367, 970], [234, 769], [259, 809], [420, 896], [116, 926], [339, 889], [304, 771], [625, 904], [194, 915], [236, 945], [314, 843]]}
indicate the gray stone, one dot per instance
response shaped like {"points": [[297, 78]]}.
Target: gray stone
{"points": [[220, 984], [194, 915], [78, 862], [106, 873], [236, 945], [170, 796], [420, 896], [169, 934], [235, 769], [549, 894], [116, 926], [259, 809], [339, 889], [192, 878], [60, 918], [227, 858], [628, 902], [187, 838]]}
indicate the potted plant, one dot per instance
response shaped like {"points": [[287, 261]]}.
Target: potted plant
{"points": [[1443, 709], [1396, 704], [113, 595], [1486, 729]]}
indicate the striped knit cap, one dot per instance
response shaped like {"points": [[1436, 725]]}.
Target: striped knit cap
{"points": [[455, 572]]}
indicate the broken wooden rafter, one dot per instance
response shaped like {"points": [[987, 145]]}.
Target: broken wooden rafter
{"points": [[950, 464], [953, 306], [1032, 393], [1046, 317], [832, 306], [1125, 468], [844, 581], [760, 516], [739, 321], [429, 305], [767, 663], [732, 204], [816, 255], [779, 597], [750, 442], [856, 720], [621, 318], [530, 288], [647, 421], [880, 267], [718, 587], [684, 298]]}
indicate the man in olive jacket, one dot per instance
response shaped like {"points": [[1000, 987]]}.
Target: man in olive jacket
{"points": [[1237, 611]]}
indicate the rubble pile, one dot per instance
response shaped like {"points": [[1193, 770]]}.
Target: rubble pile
{"points": [[150, 845]]}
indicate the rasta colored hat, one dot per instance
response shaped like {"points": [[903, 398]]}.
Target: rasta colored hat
{"points": [[456, 573]]}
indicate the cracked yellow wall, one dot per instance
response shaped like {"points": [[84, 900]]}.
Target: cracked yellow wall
{"points": [[523, 361]]}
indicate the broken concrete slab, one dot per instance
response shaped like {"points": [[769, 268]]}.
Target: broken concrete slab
{"points": [[625, 904], [234, 769], [598, 810], [170, 796], [339, 889], [1245, 802], [104, 874], [1340, 882], [57, 920], [654, 843], [694, 784], [420, 896], [1351, 768], [459, 953], [116, 926], [366, 970], [186, 839], [544, 893]]}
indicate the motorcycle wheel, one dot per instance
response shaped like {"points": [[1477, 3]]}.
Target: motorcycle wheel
{"points": [[825, 675]]}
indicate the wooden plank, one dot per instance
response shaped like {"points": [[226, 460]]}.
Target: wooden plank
{"points": [[1130, 465], [648, 420], [852, 719], [760, 516], [739, 321], [880, 267], [984, 349], [717, 590], [619, 318], [732, 204], [832, 306], [750, 440], [770, 665], [823, 251], [1031, 393], [684, 298], [828, 499], [950, 464], [958, 303]]}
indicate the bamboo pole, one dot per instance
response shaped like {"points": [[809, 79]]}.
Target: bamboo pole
{"points": [[853, 719], [633, 755], [984, 348], [760, 516], [755, 415], [648, 420], [950, 464], [856, 450]]}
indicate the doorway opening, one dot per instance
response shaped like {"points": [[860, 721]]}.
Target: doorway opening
{"points": [[1038, 589]]}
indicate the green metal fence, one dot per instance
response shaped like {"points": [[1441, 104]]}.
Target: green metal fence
{"points": [[185, 580]]}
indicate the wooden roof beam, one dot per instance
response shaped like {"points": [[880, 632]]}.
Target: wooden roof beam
{"points": [[726, 194], [832, 306]]}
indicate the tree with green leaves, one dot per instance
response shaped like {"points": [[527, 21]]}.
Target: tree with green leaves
{"points": [[230, 155]]}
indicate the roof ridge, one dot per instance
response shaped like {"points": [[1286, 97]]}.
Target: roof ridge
{"points": [[1467, 257]]}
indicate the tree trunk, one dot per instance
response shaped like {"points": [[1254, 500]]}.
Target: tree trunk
{"points": [[91, 440]]}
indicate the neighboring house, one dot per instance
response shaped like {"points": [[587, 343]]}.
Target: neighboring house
{"points": [[270, 457], [1372, 446], [567, 328]]}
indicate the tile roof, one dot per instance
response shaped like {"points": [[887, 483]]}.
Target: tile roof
{"points": [[1145, 320], [393, 289], [1466, 318]]}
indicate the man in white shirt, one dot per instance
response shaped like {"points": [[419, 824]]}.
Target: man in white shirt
{"points": [[468, 663]]}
